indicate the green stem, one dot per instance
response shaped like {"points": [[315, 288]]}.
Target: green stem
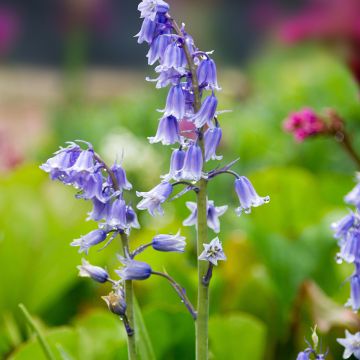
{"points": [[40, 336], [129, 298], [203, 289], [202, 321]]}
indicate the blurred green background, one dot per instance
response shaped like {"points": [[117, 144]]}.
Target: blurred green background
{"points": [[281, 277]]}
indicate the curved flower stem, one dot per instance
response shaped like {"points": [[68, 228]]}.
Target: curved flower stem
{"points": [[180, 291], [108, 170], [207, 277], [337, 127], [345, 141], [216, 173], [129, 298], [139, 250]]}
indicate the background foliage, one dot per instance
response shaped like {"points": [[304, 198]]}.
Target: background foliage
{"points": [[254, 307]]}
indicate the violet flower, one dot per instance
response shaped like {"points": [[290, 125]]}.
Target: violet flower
{"points": [[176, 165], [169, 243], [213, 214], [167, 132], [94, 272], [213, 252], [212, 140], [175, 103], [87, 241], [153, 199], [248, 197], [193, 163], [133, 270], [206, 113], [351, 343]]}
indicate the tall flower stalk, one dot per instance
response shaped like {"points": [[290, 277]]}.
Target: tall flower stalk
{"points": [[191, 73]]}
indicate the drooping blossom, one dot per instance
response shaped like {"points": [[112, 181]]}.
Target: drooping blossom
{"points": [[248, 196], [94, 272], [169, 243]]}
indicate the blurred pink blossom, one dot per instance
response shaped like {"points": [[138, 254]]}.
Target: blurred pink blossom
{"points": [[304, 123]]}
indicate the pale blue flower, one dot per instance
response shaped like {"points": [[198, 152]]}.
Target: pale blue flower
{"points": [[213, 252]]}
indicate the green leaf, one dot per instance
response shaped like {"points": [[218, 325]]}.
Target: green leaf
{"points": [[62, 341], [144, 344], [237, 337]]}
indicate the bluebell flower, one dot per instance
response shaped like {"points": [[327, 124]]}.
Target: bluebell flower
{"points": [[303, 355], [351, 343], [175, 102], [213, 214], [58, 166], [213, 252], [350, 246], [355, 292], [117, 214], [94, 272], [212, 140], [168, 131], [174, 58], [157, 48], [169, 243], [133, 270], [120, 176], [153, 199], [207, 75], [116, 301], [87, 241], [85, 163], [193, 163], [342, 227], [150, 8], [247, 196], [147, 31], [353, 197], [131, 218], [166, 77], [206, 113], [92, 187], [176, 164], [100, 210]]}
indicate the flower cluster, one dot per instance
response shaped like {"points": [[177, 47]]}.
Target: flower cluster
{"points": [[303, 124], [84, 170], [191, 75], [104, 187]]}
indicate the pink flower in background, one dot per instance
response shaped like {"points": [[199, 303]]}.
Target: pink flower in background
{"points": [[9, 28], [304, 123]]}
